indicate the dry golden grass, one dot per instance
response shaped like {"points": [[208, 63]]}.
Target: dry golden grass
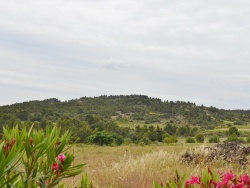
{"points": [[138, 166]]}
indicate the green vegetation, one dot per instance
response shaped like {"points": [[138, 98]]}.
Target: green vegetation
{"points": [[36, 158], [170, 139], [105, 138], [214, 139], [199, 138], [100, 124], [190, 140], [133, 118]]}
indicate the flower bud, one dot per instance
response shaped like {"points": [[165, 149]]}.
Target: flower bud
{"points": [[61, 157], [55, 166]]}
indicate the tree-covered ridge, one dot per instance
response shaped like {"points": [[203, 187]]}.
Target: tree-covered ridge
{"points": [[108, 120], [135, 107]]}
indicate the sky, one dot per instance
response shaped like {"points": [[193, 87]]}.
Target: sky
{"points": [[196, 51]]}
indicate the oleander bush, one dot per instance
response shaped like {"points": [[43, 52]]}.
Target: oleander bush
{"points": [[36, 158], [207, 179]]}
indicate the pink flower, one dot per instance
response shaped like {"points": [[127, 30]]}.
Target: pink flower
{"points": [[239, 185], [221, 184], [193, 180], [228, 176], [244, 178], [55, 166], [61, 157]]}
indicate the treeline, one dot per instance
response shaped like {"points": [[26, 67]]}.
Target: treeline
{"points": [[137, 107], [96, 120], [95, 129]]}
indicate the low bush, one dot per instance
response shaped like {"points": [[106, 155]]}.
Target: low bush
{"points": [[170, 139], [199, 138], [233, 138], [214, 139], [190, 140], [144, 141]]}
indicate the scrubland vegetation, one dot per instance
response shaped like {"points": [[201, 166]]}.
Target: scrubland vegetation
{"points": [[140, 166]]}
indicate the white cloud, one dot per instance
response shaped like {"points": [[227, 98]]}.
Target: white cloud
{"points": [[114, 64]]}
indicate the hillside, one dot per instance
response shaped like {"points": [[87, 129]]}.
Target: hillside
{"points": [[86, 116], [134, 107]]}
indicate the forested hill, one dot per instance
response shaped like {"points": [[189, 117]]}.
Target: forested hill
{"points": [[131, 107]]}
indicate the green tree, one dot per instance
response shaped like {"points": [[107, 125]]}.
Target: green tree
{"points": [[233, 130], [159, 133], [183, 130], [80, 129], [23, 115], [232, 138], [170, 129], [152, 134], [193, 131], [105, 138]]}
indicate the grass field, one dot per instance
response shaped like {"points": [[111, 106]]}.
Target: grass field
{"points": [[243, 129], [131, 166], [138, 166]]}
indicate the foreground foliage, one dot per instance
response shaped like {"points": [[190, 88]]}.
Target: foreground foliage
{"points": [[36, 158], [208, 179]]}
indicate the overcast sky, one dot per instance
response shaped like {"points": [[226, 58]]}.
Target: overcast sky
{"points": [[187, 50]]}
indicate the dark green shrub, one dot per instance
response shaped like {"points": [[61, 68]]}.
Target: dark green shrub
{"points": [[233, 130], [214, 139], [233, 138], [190, 140], [199, 138], [144, 141], [105, 138]]}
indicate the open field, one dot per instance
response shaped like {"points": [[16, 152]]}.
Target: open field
{"points": [[243, 129], [139, 166]]}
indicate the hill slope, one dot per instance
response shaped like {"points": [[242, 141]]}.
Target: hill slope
{"points": [[132, 107]]}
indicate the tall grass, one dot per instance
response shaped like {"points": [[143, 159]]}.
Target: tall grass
{"points": [[135, 166], [140, 171]]}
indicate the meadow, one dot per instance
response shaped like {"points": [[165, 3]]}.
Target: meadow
{"points": [[139, 166]]}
